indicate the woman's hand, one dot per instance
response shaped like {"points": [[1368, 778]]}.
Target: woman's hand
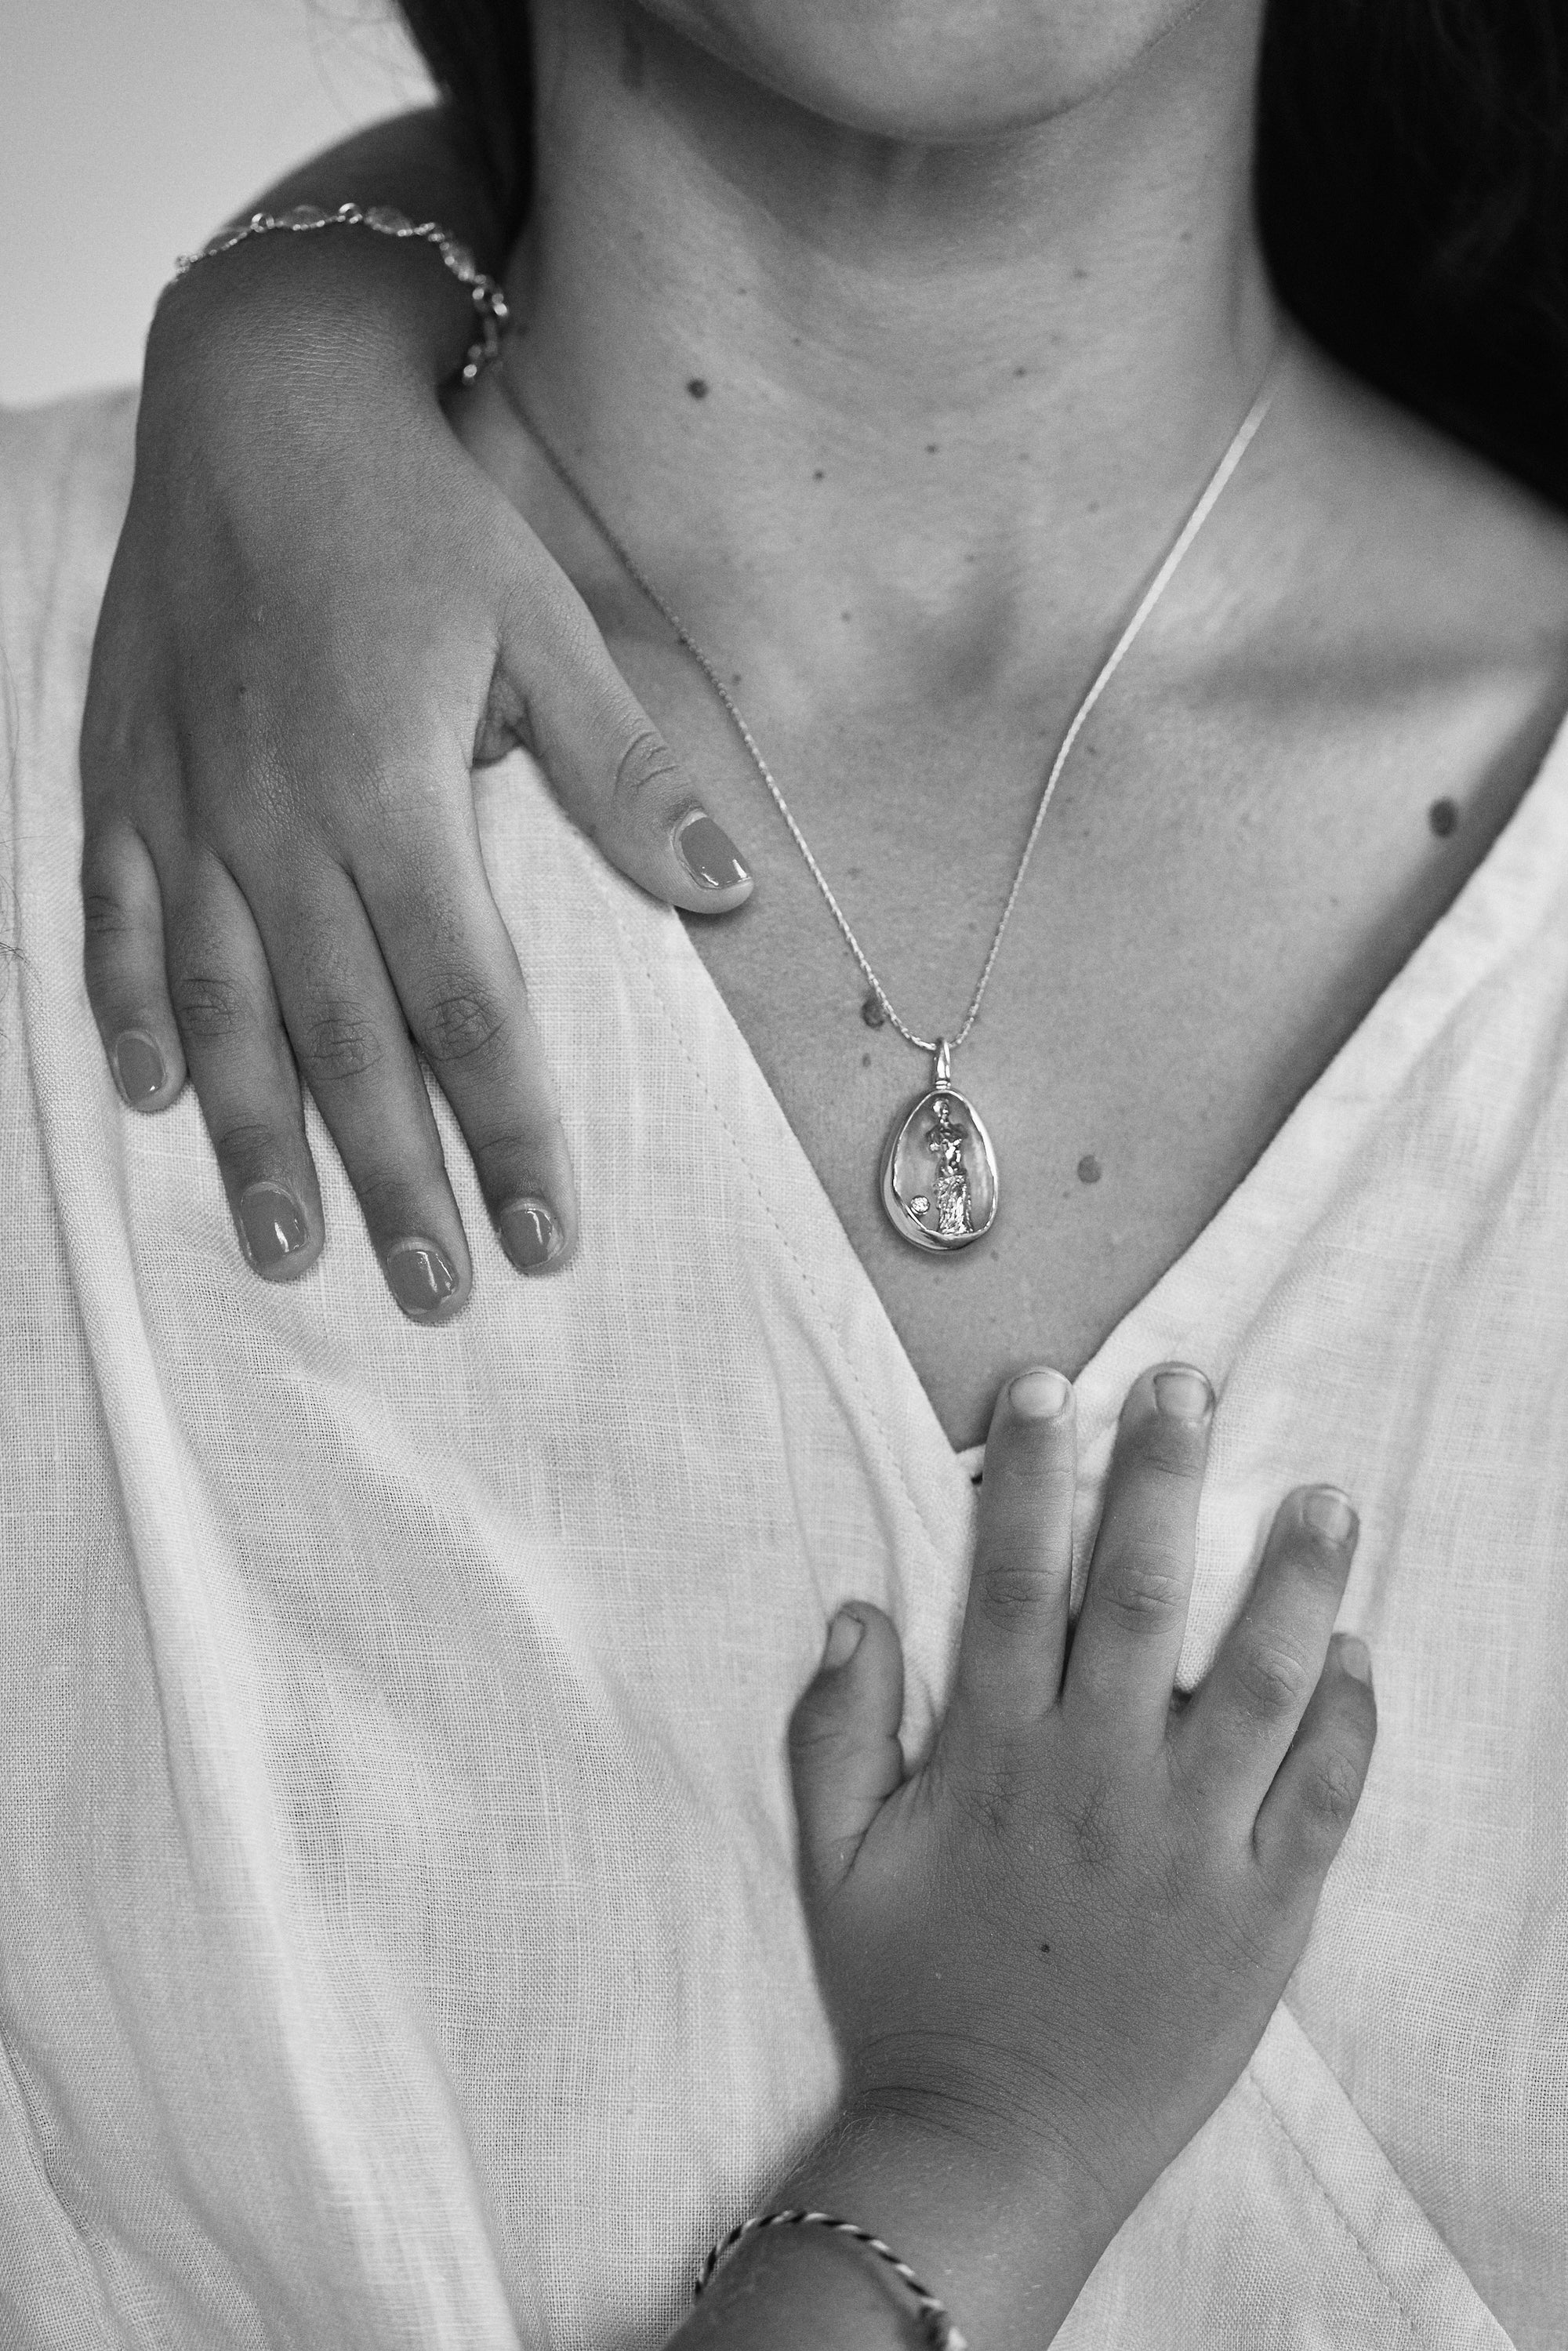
{"points": [[1050, 1951], [320, 614]]}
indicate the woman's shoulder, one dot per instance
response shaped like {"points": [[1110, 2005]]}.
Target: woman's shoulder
{"points": [[1442, 557]]}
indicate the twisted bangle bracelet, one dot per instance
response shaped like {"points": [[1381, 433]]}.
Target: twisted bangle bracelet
{"points": [[939, 2329], [488, 300]]}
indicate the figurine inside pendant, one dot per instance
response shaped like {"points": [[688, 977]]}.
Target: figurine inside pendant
{"points": [[939, 1172]]}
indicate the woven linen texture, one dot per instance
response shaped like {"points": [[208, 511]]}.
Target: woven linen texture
{"points": [[399, 1944]]}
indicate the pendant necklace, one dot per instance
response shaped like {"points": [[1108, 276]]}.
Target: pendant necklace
{"points": [[939, 1181]]}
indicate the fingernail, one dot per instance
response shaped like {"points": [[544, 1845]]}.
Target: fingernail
{"points": [[1039, 1396], [272, 1223], [708, 852], [530, 1233], [139, 1071], [419, 1276], [844, 1638], [1355, 1658], [1328, 1512], [1184, 1395]]}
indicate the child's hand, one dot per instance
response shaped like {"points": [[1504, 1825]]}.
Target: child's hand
{"points": [[1050, 1951], [320, 613]]}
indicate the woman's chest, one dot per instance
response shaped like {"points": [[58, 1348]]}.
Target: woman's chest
{"points": [[1207, 917]]}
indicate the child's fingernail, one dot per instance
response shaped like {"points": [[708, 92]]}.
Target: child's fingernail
{"points": [[1183, 1394], [708, 852], [844, 1638], [1039, 1396], [271, 1223], [139, 1071], [418, 1276], [1355, 1658], [1328, 1512], [530, 1233]]}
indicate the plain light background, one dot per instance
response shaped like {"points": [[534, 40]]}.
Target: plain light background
{"points": [[129, 129]]}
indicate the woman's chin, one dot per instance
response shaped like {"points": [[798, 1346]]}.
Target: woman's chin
{"points": [[923, 71]]}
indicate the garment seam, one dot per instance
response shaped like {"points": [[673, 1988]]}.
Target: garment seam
{"points": [[1373, 2267]]}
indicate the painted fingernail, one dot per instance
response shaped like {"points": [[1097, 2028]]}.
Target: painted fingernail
{"points": [[708, 852], [1355, 1658], [139, 1071], [271, 1223], [1328, 1512], [529, 1234], [1039, 1396], [1183, 1394], [844, 1638], [419, 1277]]}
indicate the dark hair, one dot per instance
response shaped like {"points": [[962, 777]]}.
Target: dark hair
{"points": [[1413, 197], [1412, 192]]}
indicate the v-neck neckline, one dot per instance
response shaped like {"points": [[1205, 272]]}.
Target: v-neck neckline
{"points": [[1200, 1305]]}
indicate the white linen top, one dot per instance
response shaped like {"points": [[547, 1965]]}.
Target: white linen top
{"points": [[399, 1948]]}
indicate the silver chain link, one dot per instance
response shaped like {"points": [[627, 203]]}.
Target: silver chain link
{"points": [[1151, 596]]}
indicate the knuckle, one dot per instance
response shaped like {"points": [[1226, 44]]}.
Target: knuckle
{"points": [[246, 1147], [1171, 1449], [1331, 1789], [106, 918], [1012, 1592], [1139, 1590], [1032, 1473], [209, 1005], [646, 761], [814, 1726], [338, 1044], [985, 1799], [1091, 1824], [1271, 1680], [458, 1026], [395, 1200], [513, 1163]]}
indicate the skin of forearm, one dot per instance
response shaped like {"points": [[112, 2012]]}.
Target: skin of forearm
{"points": [[351, 289], [1003, 2236]]}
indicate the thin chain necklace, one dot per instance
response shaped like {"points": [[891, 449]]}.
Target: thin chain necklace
{"points": [[939, 1180]]}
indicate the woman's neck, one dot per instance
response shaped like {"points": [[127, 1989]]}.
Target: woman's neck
{"points": [[960, 391]]}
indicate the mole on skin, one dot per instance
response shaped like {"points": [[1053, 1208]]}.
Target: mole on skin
{"points": [[1089, 1169], [1443, 816]]}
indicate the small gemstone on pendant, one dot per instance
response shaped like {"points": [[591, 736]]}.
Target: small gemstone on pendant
{"points": [[872, 1012]]}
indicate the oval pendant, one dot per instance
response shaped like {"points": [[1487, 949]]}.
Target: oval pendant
{"points": [[939, 1172]]}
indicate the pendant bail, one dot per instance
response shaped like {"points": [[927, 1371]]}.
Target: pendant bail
{"points": [[944, 1077]]}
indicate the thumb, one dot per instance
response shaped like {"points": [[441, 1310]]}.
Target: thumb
{"points": [[844, 1755], [557, 689]]}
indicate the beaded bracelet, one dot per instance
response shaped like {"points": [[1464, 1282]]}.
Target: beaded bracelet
{"points": [[488, 300], [938, 2329]]}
